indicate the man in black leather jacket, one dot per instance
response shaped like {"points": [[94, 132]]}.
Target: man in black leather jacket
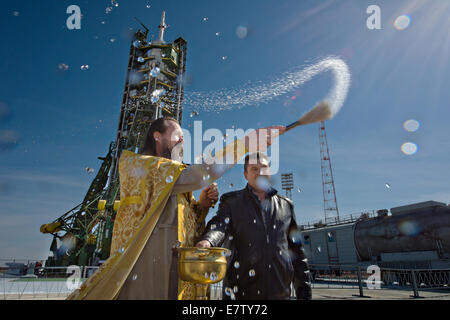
{"points": [[259, 228]]}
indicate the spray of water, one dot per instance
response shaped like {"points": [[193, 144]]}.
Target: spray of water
{"points": [[254, 94]]}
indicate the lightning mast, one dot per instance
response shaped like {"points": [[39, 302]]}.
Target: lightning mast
{"points": [[329, 193]]}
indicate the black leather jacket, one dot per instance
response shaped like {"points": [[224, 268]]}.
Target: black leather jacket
{"points": [[266, 255]]}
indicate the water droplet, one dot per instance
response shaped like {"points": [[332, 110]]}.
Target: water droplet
{"points": [[258, 292], [155, 72], [84, 67], [388, 185], [135, 277], [411, 125], [235, 289], [148, 6], [141, 59], [137, 43], [213, 276], [217, 33], [270, 266], [228, 291], [205, 19], [319, 249], [224, 58], [274, 226], [112, 39], [16, 13], [299, 190], [227, 220], [241, 32], [169, 179], [206, 275], [63, 67], [251, 273], [121, 250], [206, 177], [236, 264], [254, 220], [402, 22], [213, 226], [89, 170], [409, 148], [281, 253], [230, 238]]}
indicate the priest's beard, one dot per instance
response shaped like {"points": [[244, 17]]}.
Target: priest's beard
{"points": [[174, 153]]}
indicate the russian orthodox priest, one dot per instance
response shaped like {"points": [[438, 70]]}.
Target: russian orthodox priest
{"points": [[158, 214]]}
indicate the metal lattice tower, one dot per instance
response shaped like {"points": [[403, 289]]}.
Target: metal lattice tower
{"points": [[154, 87], [329, 193], [287, 183]]}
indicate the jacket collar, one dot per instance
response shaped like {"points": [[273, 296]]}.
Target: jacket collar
{"points": [[269, 194]]}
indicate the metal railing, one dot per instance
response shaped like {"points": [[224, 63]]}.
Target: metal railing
{"points": [[349, 218], [57, 282], [42, 283], [355, 276]]}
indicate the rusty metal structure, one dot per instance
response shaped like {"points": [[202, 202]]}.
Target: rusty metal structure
{"points": [[154, 87]]}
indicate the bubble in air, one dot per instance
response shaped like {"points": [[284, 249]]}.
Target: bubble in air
{"points": [[169, 179], [227, 220], [236, 264], [135, 277], [251, 273]]}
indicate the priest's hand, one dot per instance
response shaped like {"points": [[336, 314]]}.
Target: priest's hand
{"points": [[209, 196], [203, 244]]}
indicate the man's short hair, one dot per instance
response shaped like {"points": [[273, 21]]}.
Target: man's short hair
{"points": [[159, 125], [254, 158]]}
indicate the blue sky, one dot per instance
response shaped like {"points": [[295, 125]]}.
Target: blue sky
{"points": [[64, 120]]}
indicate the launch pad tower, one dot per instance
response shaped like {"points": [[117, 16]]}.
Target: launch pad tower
{"points": [[154, 87]]}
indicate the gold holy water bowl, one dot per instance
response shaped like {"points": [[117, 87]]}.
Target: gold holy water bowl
{"points": [[202, 266]]}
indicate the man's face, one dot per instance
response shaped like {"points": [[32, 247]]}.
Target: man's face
{"points": [[171, 141], [257, 171]]}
